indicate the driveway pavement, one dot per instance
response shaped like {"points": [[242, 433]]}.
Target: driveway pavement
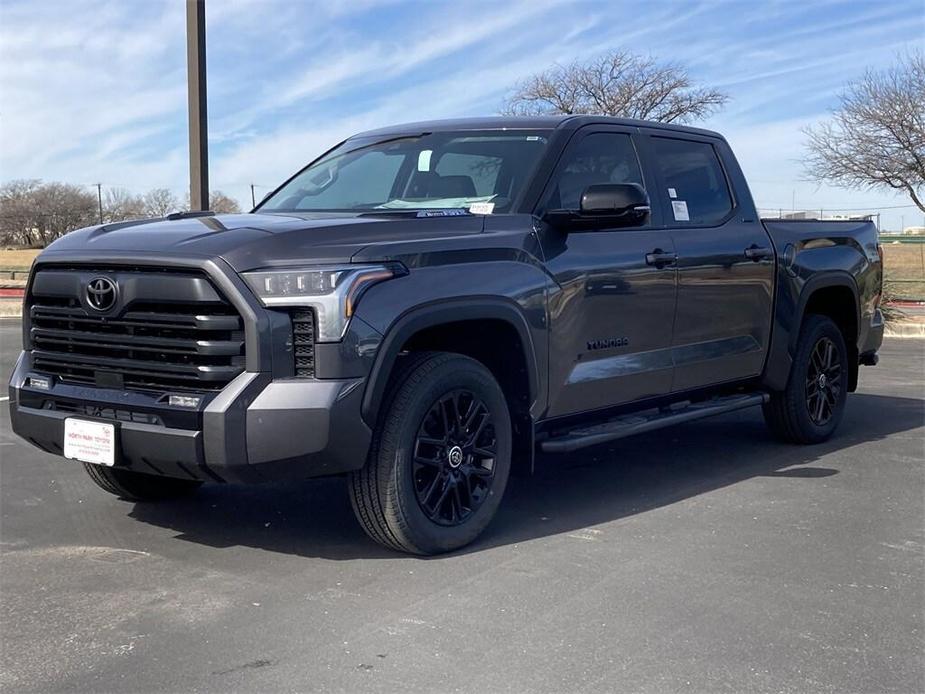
{"points": [[705, 558]]}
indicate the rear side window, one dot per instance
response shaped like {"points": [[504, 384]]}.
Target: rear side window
{"points": [[697, 191], [598, 158]]}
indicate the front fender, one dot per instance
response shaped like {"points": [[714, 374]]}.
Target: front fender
{"points": [[507, 287]]}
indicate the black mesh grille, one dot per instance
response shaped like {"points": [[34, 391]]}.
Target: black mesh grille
{"points": [[303, 341], [194, 342], [103, 412]]}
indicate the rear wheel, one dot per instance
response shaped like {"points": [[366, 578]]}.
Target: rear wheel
{"points": [[440, 457], [810, 408], [136, 486]]}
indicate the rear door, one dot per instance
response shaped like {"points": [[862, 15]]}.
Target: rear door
{"points": [[725, 263]]}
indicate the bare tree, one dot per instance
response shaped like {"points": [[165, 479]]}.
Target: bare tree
{"points": [[19, 218], [63, 207], [33, 213], [617, 83], [160, 202], [876, 138], [222, 204], [120, 205], [218, 203]]}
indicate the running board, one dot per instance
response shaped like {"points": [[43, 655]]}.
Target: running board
{"points": [[639, 423]]}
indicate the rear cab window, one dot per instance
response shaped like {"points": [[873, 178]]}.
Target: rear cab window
{"points": [[696, 191]]}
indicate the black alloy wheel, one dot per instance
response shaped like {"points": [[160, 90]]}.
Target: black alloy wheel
{"points": [[824, 379], [810, 407], [454, 458], [440, 456]]}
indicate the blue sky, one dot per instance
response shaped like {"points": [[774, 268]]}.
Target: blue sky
{"points": [[95, 91]]}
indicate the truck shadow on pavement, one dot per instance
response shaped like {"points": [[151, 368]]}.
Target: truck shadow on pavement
{"points": [[566, 494]]}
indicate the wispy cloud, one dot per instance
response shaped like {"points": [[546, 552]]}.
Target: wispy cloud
{"points": [[96, 90]]}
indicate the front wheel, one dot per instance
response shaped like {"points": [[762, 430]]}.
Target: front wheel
{"points": [[440, 457], [810, 408]]}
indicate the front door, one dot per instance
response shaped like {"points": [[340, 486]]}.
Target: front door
{"points": [[725, 264], [613, 302]]}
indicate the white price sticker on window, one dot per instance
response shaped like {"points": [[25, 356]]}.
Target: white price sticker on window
{"points": [[679, 207]]}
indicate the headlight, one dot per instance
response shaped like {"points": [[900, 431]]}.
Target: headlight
{"points": [[333, 291]]}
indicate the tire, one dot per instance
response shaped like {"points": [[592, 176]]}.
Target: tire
{"points": [[417, 493], [136, 486], [810, 409]]}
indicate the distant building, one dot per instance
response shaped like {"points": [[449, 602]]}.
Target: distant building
{"points": [[914, 231], [815, 214]]}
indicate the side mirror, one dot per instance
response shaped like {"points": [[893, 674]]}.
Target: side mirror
{"points": [[605, 206], [614, 200]]}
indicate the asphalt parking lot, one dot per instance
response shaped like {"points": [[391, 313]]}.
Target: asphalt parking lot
{"points": [[702, 558]]}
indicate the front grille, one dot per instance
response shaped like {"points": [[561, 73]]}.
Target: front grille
{"points": [[103, 412], [192, 342], [303, 342]]}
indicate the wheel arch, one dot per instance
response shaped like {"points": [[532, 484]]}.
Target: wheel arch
{"points": [[434, 327], [833, 294]]}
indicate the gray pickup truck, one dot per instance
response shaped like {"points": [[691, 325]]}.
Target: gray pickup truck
{"points": [[424, 307]]}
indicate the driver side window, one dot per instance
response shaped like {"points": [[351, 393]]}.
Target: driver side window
{"points": [[598, 158]]}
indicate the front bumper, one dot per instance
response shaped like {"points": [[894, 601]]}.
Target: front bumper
{"points": [[256, 429]]}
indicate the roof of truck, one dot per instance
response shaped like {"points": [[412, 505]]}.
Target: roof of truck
{"points": [[526, 123]]}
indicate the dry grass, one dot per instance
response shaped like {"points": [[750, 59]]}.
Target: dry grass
{"points": [[17, 260], [903, 262]]}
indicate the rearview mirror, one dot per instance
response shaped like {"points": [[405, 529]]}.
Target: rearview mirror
{"points": [[605, 206]]}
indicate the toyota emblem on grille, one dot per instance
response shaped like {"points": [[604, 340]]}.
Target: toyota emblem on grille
{"points": [[101, 293]]}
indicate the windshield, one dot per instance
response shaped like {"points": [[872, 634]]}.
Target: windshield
{"points": [[481, 171]]}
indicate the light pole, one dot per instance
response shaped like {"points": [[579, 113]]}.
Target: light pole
{"points": [[198, 121], [99, 199]]}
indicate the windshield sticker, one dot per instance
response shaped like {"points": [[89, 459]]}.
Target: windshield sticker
{"points": [[441, 213], [672, 193], [432, 203], [424, 160], [482, 207], [679, 207]]}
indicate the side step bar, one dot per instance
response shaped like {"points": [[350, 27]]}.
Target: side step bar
{"points": [[639, 423]]}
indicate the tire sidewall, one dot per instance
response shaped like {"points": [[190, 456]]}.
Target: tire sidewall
{"points": [[817, 328], [455, 374]]}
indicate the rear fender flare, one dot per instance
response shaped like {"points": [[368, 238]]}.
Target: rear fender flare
{"points": [[786, 331]]}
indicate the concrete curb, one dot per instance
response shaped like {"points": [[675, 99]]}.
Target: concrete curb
{"points": [[10, 308], [904, 330]]}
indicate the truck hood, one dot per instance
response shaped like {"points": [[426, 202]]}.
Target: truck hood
{"points": [[249, 241]]}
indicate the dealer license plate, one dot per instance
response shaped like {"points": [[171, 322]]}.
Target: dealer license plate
{"points": [[90, 442]]}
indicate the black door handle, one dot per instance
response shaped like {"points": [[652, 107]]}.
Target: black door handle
{"points": [[757, 253], [660, 258]]}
